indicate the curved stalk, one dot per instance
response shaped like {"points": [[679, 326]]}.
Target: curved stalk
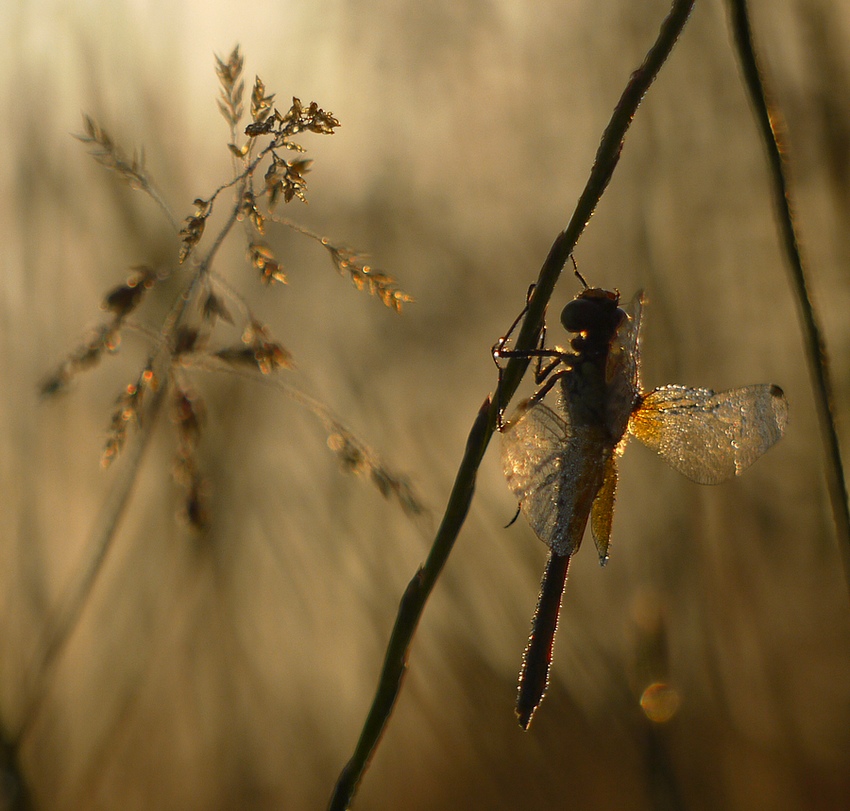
{"points": [[420, 586]]}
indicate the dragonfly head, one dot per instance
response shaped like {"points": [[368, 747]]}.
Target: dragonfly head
{"points": [[594, 312]]}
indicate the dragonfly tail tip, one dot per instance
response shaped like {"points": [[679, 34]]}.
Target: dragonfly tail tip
{"points": [[524, 716]]}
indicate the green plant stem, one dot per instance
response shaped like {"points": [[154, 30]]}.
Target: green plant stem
{"points": [[418, 590], [769, 120]]}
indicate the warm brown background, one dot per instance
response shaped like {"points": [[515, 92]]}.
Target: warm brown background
{"points": [[234, 671]]}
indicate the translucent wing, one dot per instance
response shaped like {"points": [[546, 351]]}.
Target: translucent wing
{"points": [[622, 370], [554, 471], [602, 513], [710, 436]]}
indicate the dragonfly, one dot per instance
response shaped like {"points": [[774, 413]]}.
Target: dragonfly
{"points": [[560, 460]]}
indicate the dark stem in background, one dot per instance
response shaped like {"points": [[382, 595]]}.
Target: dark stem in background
{"points": [[14, 793], [769, 119], [418, 590]]}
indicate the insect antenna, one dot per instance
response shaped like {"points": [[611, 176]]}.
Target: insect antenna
{"points": [[576, 271]]}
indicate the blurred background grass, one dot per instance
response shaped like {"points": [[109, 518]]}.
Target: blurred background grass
{"points": [[234, 671]]}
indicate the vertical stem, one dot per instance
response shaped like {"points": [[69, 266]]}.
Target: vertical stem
{"points": [[769, 120]]}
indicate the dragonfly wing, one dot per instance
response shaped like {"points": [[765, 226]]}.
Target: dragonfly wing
{"points": [[552, 471], [602, 512], [622, 369], [708, 436]]}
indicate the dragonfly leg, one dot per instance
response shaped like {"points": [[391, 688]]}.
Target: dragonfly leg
{"points": [[537, 659], [554, 358], [498, 347], [547, 386]]}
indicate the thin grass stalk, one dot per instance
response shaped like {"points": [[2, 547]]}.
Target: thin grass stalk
{"points": [[72, 610], [771, 126], [420, 586], [110, 518]]}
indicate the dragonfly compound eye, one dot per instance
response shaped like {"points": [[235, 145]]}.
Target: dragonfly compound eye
{"points": [[596, 315], [580, 315]]}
